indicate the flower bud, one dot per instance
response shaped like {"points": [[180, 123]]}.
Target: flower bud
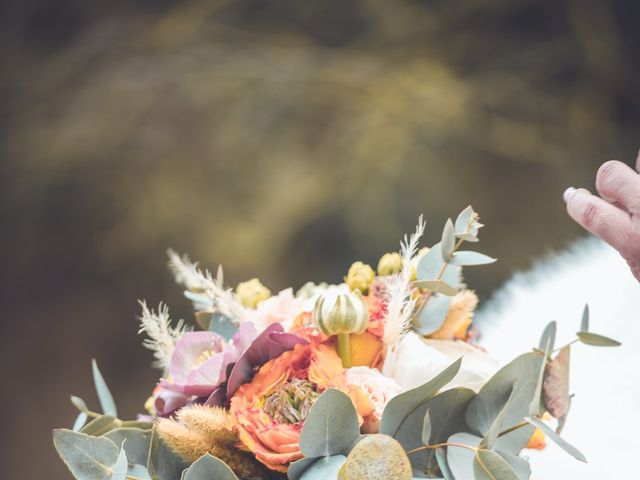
{"points": [[338, 312], [389, 264], [251, 292], [360, 277]]}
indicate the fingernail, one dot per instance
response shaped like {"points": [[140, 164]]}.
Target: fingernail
{"points": [[568, 193]]}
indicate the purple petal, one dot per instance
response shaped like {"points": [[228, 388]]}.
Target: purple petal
{"points": [[244, 336], [217, 398], [271, 343], [188, 350], [168, 402]]}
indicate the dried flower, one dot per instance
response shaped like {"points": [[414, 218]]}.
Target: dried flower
{"points": [[359, 277], [162, 337], [251, 293]]}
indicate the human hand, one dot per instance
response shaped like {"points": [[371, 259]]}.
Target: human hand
{"points": [[614, 216]]}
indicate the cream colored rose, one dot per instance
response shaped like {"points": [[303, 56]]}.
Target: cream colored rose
{"points": [[282, 308]]}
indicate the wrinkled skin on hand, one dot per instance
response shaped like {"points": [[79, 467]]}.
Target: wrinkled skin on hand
{"points": [[614, 215]]}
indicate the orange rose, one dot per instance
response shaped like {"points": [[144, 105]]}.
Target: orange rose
{"points": [[269, 412]]}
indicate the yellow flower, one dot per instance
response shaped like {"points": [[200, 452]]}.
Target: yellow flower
{"points": [[251, 292], [360, 277], [389, 264]]}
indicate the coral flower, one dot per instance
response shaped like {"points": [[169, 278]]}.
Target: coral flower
{"points": [[270, 411]]}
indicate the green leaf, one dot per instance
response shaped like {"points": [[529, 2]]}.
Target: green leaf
{"points": [[163, 463], [121, 467], [584, 324], [138, 472], [403, 416], [376, 456], [426, 429], [433, 314], [297, 468], [448, 241], [549, 334], [81, 419], [441, 458], [519, 465], [464, 221], [208, 467], [431, 264], [325, 468], [468, 258], [513, 384], [104, 395], [216, 322], [331, 427], [90, 458], [488, 465], [101, 425], [561, 442], [597, 340], [498, 423], [446, 412], [135, 442], [536, 407], [460, 459], [79, 403], [438, 286]]}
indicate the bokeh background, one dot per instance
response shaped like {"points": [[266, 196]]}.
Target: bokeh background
{"points": [[283, 139]]}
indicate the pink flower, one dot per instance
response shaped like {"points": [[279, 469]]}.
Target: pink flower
{"points": [[281, 308]]}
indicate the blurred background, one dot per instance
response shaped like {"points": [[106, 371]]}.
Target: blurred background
{"points": [[282, 139]]}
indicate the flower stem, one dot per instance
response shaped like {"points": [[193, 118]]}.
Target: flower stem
{"points": [[344, 349]]}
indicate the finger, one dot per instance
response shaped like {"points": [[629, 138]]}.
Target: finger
{"points": [[618, 183], [638, 162], [600, 218]]}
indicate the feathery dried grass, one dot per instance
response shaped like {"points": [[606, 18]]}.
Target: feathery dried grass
{"points": [[162, 337]]}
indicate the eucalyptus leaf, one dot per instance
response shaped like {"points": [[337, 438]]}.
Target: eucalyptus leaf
{"points": [[548, 335], [325, 468], [584, 323], [403, 416], [297, 468], [101, 425], [138, 472], [121, 468], [468, 237], [597, 340], [431, 264], [561, 442], [81, 419], [464, 221], [496, 427], [447, 417], [513, 384], [89, 458], [332, 426], [79, 403], [135, 442], [216, 322], [432, 315], [488, 465], [139, 424], [460, 459], [163, 463], [426, 428], [104, 395], [536, 407], [557, 400], [441, 458], [467, 258], [448, 241], [208, 467], [438, 286], [519, 465]]}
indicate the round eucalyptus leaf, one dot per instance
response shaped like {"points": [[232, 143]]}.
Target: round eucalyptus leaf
{"points": [[597, 340], [208, 467], [88, 457], [488, 465], [325, 468]]}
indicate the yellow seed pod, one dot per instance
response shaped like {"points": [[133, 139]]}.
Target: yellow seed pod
{"points": [[251, 292], [376, 457], [360, 276], [389, 264], [340, 312]]}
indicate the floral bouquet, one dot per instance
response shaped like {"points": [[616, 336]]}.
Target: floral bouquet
{"points": [[379, 377]]}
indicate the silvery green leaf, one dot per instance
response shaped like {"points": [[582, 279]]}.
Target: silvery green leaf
{"points": [[460, 459], [200, 300], [468, 237], [448, 241], [331, 427], [297, 468], [597, 340], [438, 286], [223, 325], [403, 416], [81, 419], [548, 335], [135, 442], [519, 465], [138, 472], [163, 463], [467, 258], [79, 403], [561, 442], [104, 395], [426, 428], [430, 268], [432, 315], [488, 465], [89, 458], [491, 436], [325, 468], [536, 407], [464, 221], [121, 468], [584, 324], [208, 467], [101, 425], [139, 424], [441, 458], [447, 415], [514, 383]]}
